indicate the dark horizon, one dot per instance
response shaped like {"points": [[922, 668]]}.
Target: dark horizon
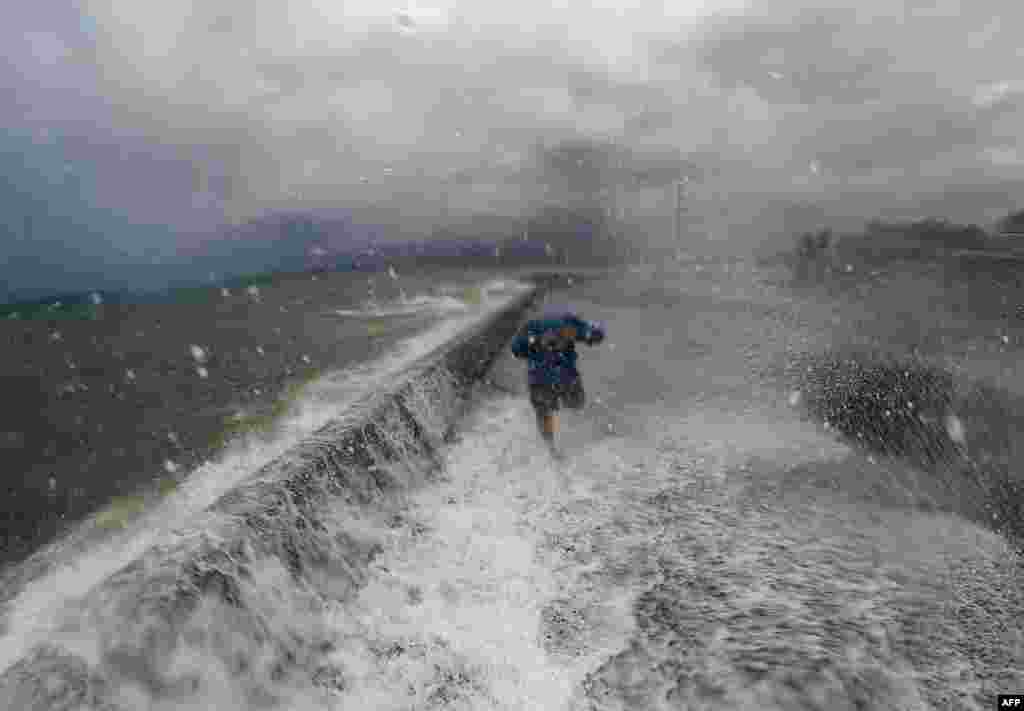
{"points": [[297, 242]]}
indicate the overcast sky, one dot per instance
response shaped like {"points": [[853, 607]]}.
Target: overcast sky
{"points": [[177, 113]]}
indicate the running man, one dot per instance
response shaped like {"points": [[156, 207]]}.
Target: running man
{"points": [[549, 345]]}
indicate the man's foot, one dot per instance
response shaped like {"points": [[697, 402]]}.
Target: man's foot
{"points": [[557, 454]]}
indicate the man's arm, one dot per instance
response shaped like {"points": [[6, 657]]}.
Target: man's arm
{"points": [[521, 343], [590, 332]]}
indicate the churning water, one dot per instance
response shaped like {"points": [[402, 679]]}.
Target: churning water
{"points": [[701, 547]]}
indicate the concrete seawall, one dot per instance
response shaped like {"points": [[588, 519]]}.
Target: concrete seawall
{"points": [[129, 629]]}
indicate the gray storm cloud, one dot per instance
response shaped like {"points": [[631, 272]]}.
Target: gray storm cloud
{"points": [[192, 113], [374, 102], [878, 87]]}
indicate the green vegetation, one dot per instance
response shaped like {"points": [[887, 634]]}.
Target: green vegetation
{"points": [[259, 280], [192, 295], [122, 509], [243, 425], [473, 295], [1012, 224], [818, 252], [120, 512], [50, 312], [206, 293], [166, 486]]}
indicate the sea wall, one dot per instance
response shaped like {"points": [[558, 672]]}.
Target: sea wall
{"points": [[132, 628]]}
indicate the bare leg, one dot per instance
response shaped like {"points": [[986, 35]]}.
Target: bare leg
{"points": [[550, 426], [547, 424], [548, 430]]}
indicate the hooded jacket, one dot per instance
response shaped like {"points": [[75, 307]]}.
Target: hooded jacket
{"points": [[551, 358]]}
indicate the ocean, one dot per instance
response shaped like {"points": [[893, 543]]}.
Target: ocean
{"points": [[141, 394]]}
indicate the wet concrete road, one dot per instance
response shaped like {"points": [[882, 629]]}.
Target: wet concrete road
{"points": [[705, 546]]}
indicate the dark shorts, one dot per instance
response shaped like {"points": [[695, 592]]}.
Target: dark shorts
{"points": [[549, 398]]}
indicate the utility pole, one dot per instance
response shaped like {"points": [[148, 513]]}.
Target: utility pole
{"points": [[680, 212], [445, 204], [619, 199]]}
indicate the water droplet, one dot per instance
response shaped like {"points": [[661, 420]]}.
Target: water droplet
{"points": [[405, 22], [392, 273], [955, 429], [55, 336], [170, 467], [198, 354], [225, 293], [96, 298], [53, 483], [305, 359], [259, 349], [202, 372], [129, 374]]}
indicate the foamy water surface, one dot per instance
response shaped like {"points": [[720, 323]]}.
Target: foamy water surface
{"points": [[700, 548]]}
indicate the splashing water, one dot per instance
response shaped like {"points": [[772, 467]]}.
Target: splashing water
{"points": [[454, 614], [81, 560], [682, 566], [447, 299]]}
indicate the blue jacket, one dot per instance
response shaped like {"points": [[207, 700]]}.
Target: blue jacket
{"points": [[551, 358]]}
